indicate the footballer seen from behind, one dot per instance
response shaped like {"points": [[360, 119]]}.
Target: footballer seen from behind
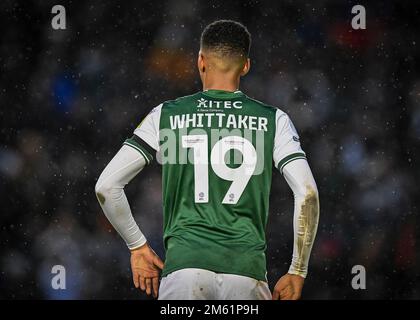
{"points": [[217, 148]]}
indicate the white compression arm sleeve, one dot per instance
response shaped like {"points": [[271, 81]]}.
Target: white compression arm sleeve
{"points": [[306, 213], [125, 165]]}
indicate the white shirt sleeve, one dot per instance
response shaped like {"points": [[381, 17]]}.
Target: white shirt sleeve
{"points": [[148, 129], [286, 142], [306, 213], [125, 165]]}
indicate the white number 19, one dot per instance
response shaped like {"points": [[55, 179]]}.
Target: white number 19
{"points": [[239, 176]]}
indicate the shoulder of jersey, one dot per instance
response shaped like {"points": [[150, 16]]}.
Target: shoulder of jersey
{"points": [[265, 105], [179, 100]]}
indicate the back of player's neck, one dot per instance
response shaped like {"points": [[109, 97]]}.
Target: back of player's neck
{"points": [[224, 86], [221, 88]]}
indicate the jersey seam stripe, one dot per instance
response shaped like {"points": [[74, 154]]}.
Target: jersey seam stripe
{"points": [[138, 149], [290, 157], [297, 158], [143, 144], [138, 143]]}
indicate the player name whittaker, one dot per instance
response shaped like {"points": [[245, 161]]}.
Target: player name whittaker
{"points": [[218, 120]]}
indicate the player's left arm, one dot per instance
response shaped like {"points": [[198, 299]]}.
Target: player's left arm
{"points": [[291, 161], [305, 223]]}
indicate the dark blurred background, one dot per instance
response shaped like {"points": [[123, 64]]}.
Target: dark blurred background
{"points": [[68, 99]]}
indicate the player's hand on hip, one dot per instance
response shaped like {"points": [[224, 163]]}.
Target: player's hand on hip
{"points": [[145, 266], [289, 287]]}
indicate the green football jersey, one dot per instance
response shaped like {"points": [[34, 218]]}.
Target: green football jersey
{"points": [[217, 150]]}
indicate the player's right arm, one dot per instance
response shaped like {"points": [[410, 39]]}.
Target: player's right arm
{"points": [[126, 164]]}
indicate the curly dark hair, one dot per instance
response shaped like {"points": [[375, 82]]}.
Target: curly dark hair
{"points": [[227, 37]]}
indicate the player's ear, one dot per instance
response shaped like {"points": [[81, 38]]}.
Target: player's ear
{"points": [[246, 67], [200, 62]]}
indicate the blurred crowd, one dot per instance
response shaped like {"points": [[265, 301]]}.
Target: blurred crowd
{"points": [[69, 98]]}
